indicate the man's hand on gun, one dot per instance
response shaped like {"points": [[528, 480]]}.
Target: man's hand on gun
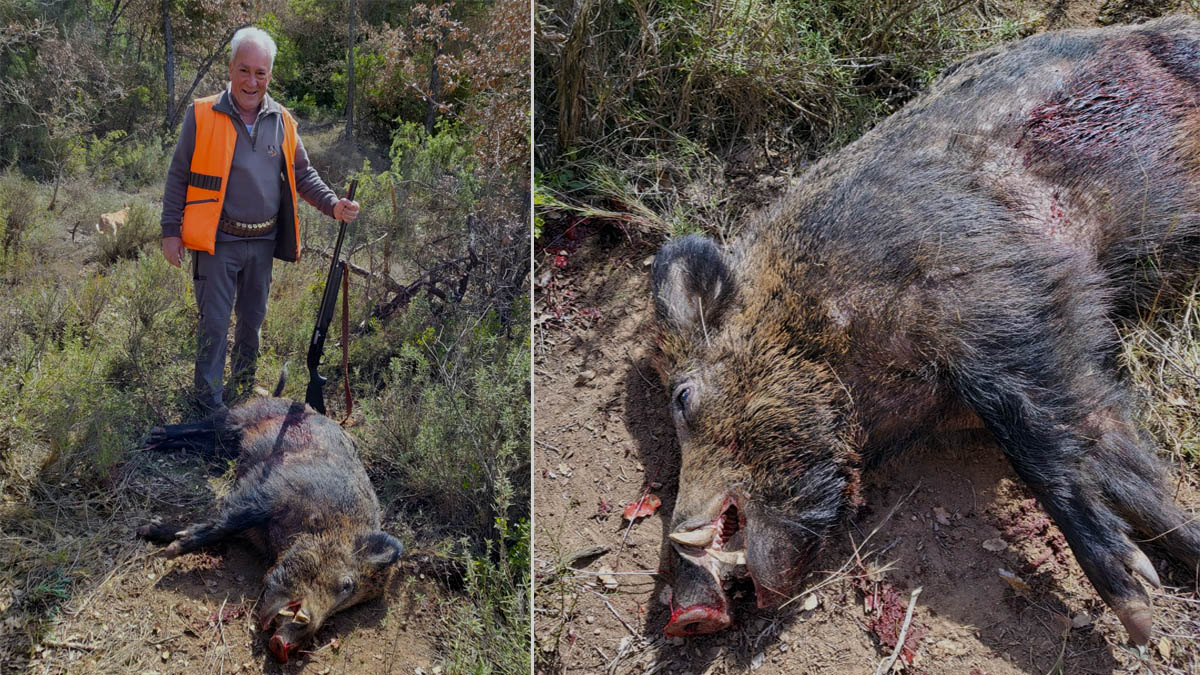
{"points": [[345, 210]]}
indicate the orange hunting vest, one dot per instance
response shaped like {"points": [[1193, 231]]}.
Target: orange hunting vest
{"points": [[213, 155]]}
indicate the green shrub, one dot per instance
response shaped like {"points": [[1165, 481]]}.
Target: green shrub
{"points": [[491, 635], [18, 210], [131, 162], [453, 422]]}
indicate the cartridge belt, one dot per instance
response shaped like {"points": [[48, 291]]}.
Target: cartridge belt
{"points": [[230, 226]]}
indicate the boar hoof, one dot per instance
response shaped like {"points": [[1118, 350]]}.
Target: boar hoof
{"points": [[173, 550], [1139, 563], [1137, 618]]}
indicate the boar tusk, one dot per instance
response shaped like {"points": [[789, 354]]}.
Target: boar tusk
{"points": [[286, 612], [728, 557], [302, 617], [699, 537]]}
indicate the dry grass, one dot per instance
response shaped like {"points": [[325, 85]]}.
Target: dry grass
{"points": [[71, 553], [679, 108], [1162, 354]]}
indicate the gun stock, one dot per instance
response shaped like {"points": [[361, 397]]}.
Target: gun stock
{"points": [[314, 395]]}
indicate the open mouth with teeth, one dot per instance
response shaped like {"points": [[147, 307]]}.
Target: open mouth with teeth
{"points": [[292, 624], [709, 557]]}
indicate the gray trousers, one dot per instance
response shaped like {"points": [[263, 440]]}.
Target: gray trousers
{"points": [[236, 278]]}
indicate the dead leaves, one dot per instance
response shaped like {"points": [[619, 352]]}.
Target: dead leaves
{"points": [[646, 506]]}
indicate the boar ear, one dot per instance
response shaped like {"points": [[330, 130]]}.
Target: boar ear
{"points": [[380, 548], [692, 284]]}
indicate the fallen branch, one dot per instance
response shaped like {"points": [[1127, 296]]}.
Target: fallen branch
{"points": [[68, 644], [427, 282], [387, 281]]}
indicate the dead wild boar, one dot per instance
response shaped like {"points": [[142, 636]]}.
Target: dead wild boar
{"points": [[302, 494], [968, 259]]}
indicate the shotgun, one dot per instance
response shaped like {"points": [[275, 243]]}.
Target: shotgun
{"points": [[315, 395]]}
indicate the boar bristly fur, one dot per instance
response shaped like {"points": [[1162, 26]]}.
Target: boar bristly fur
{"points": [[300, 493], [968, 259]]}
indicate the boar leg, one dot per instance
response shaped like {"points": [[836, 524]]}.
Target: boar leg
{"points": [[1063, 426], [235, 518]]}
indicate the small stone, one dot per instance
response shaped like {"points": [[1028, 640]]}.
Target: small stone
{"points": [[811, 602], [1080, 620], [995, 545], [942, 516], [757, 661], [589, 619], [950, 647], [166, 655], [1016, 582], [607, 578], [585, 376]]}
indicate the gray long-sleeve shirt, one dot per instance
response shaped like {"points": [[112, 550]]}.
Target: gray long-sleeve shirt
{"points": [[256, 179]]}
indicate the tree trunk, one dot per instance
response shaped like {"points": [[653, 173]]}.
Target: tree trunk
{"points": [[112, 22], [350, 80], [168, 64], [177, 111], [431, 107], [57, 180]]}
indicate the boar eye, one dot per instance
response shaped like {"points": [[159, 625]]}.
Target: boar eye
{"points": [[683, 394]]}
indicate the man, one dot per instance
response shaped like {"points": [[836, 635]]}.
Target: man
{"points": [[230, 198]]}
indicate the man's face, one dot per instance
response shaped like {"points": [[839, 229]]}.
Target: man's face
{"points": [[249, 74]]}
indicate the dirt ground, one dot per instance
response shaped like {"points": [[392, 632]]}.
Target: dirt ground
{"points": [[933, 522], [134, 611]]}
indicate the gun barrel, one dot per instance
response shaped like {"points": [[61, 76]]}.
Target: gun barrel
{"points": [[314, 396]]}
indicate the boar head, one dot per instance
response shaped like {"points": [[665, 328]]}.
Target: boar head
{"points": [[768, 461], [318, 576]]}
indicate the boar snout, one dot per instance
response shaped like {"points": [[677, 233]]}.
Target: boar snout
{"points": [[281, 648]]}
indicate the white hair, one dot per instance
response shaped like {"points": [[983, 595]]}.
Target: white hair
{"points": [[255, 35]]}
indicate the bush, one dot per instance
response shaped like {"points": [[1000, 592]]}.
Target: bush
{"points": [[453, 422], [492, 634], [18, 210], [648, 110], [93, 360], [117, 157]]}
